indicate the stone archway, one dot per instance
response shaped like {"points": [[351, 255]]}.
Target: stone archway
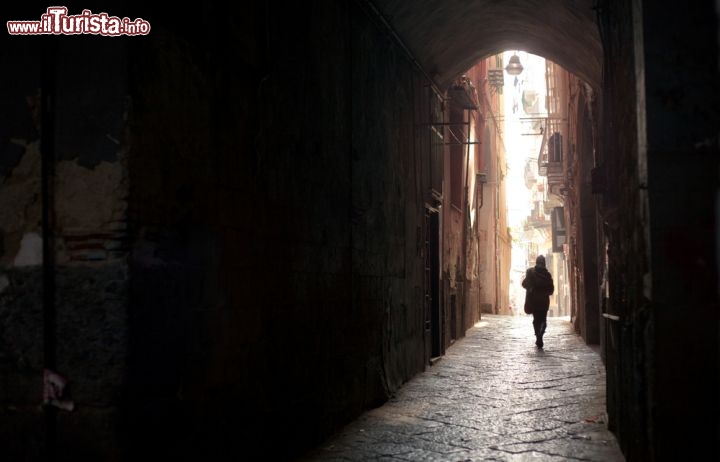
{"points": [[449, 36]]}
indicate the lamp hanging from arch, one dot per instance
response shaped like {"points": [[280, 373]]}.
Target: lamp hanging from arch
{"points": [[514, 67]]}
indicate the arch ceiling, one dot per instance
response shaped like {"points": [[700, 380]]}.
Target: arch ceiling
{"points": [[449, 36]]}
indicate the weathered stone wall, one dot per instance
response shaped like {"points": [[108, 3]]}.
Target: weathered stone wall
{"points": [[239, 212], [388, 200], [589, 222], [265, 298], [582, 208], [660, 157], [626, 340], [682, 97], [486, 227], [275, 205]]}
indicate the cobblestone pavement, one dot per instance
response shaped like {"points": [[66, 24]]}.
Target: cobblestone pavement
{"points": [[493, 396]]}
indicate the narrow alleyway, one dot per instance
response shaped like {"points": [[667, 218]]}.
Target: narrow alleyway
{"points": [[492, 397], [229, 238]]}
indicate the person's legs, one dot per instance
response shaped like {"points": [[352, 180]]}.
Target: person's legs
{"points": [[539, 324], [537, 327]]}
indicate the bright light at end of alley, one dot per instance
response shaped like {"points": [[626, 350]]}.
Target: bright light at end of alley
{"points": [[524, 99]]}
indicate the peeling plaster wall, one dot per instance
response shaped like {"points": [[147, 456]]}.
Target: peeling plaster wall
{"points": [[89, 191], [21, 354], [91, 208], [87, 202], [90, 199], [20, 203]]}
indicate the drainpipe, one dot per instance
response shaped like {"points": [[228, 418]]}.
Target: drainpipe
{"points": [[467, 166], [496, 217], [47, 171], [466, 223]]}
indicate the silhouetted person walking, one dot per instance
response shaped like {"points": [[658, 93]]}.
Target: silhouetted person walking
{"points": [[538, 284]]}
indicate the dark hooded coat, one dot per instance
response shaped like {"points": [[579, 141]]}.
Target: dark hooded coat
{"points": [[538, 284]]}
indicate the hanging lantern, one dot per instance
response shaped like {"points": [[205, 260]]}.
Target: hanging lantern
{"points": [[514, 67]]}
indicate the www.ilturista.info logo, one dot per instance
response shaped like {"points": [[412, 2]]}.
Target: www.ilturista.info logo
{"points": [[57, 22]]}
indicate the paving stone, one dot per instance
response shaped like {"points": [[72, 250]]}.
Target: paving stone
{"points": [[492, 397]]}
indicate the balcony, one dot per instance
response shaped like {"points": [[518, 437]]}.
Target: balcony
{"points": [[537, 222], [555, 172], [463, 94]]}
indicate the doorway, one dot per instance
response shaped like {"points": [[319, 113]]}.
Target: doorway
{"points": [[432, 282]]}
